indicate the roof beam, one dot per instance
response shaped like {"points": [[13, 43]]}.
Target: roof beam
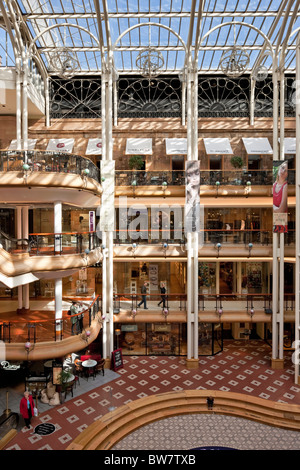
{"points": [[180, 14]]}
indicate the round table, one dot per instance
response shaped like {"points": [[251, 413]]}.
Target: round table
{"points": [[89, 364]]}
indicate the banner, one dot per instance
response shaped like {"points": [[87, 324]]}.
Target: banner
{"points": [[280, 195], [30, 144], [107, 219], [94, 147], [176, 146], [192, 196], [257, 146], [60, 145], [217, 146], [139, 147]]}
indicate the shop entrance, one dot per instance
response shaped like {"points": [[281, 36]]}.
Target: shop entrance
{"points": [[226, 279]]}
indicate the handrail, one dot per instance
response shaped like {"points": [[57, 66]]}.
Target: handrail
{"points": [[43, 160], [61, 328], [105, 432]]}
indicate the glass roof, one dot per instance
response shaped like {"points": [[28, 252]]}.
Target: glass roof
{"points": [[129, 28]]}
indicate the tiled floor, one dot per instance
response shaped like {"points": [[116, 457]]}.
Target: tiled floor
{"points": [[241, 367]]}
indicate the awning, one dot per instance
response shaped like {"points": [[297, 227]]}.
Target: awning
{"points": [[289, 145], [176, 146], [257, 145], [94, 147], [60, 145], [139, 146], [30, 144], [217, 146]]}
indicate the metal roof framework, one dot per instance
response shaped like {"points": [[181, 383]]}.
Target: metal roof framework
{"points": [[175, 28]]}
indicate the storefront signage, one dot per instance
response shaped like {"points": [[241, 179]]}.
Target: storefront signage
{"points": [[289, 145], [129, 328], [30, 144], [116, 359], [176, 146], [217, 146], [60, 145], [257, 146], [139, 147], [161, 328], [94, 147]]}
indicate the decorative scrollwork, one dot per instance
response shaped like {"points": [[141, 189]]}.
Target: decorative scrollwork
{"points": [[149, 98], [75, 98], [234, 62], [218, 97], [64, 63], [150, 62]]}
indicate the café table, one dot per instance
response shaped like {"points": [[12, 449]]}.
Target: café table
{"points": [[90, 366]]}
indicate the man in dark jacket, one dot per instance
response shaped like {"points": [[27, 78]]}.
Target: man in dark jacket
{"points": [[163, 295], [144, 297]]}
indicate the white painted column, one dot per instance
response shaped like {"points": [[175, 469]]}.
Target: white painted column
{"points": [[57, 226], [58, 305], [104, 296], [297, 267], [25, 234], [275, 286]]}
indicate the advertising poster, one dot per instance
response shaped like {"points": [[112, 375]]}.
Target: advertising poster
{"points": [[107, 219], [280, 196], [192, 196]]}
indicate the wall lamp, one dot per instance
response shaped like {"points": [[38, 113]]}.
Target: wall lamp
{"points": [[165, 247], [250, 246], [134, 246], [217, 186], [218, 246]]}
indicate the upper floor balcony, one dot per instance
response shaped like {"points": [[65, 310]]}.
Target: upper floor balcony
{"points": [[55, 172]]}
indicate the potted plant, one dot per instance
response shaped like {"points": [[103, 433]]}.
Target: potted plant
{"points": [[64, 379], [136, 162], [236, 161]]}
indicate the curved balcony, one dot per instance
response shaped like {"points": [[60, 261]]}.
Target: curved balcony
{"points": [[43, 161], [56, 174], [46, 338]]}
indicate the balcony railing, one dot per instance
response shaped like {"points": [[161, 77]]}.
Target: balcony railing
{"points": [[82, 242], [234, 177], [37, 331], [216, 305], [43, 161]]}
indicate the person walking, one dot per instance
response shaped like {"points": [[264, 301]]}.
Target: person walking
{"points": [[81, 317], [74, 318], [163, 295], [27, 408], [144, 296]]}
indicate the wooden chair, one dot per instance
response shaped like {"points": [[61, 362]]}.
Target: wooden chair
{"points": [[69, 388], [78, 371], [100, 366]]}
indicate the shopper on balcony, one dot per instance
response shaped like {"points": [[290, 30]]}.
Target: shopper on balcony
{"points": [[144, 296], [74, 318], [163, 295]]}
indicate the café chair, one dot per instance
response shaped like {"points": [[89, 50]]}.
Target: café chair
{"points": [[69, 388], [100, 366]]}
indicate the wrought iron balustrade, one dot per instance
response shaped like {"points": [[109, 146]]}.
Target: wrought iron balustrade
{"points": [[43, 161]]}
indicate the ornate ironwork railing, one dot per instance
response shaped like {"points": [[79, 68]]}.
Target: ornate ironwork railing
{"points": [[37, 331], [58, 162], [136, 178]]}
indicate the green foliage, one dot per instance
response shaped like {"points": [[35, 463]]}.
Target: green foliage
{"points": [[236, 161], [136, 162]]}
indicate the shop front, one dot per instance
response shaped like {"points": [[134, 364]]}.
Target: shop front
{"points": [[166, 339]]}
